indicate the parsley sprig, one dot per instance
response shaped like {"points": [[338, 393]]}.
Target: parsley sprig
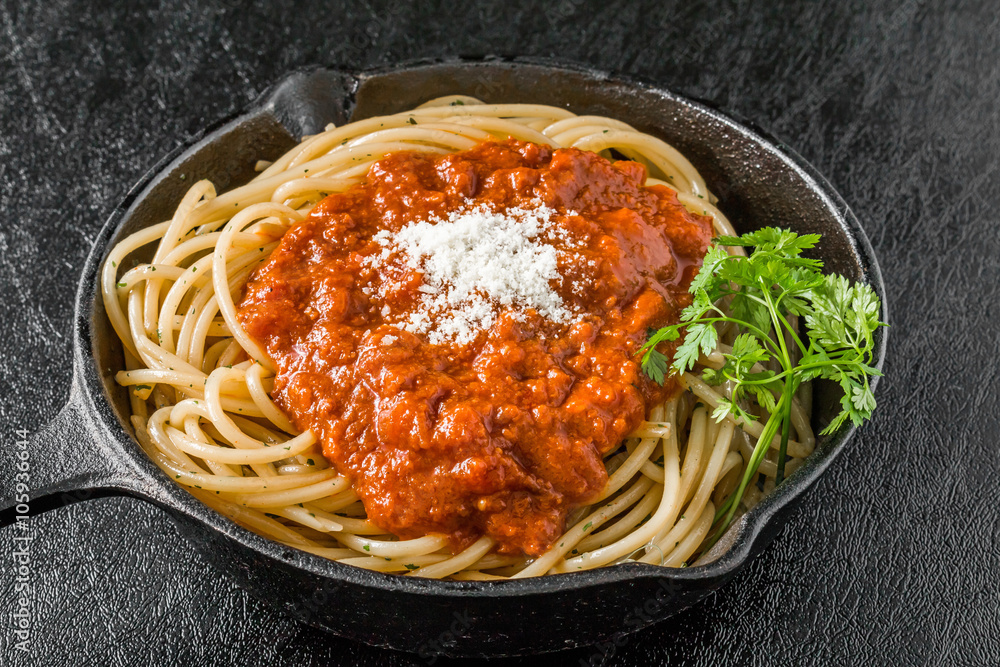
{"points": [[762, 290]]}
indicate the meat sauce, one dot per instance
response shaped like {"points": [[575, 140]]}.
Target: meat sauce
{"points": [[505, 435]]}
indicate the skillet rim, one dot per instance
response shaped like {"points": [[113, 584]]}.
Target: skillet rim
{"points": [[743, 540]]}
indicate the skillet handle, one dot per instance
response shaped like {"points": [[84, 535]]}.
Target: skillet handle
{"points": [[63, 463]]}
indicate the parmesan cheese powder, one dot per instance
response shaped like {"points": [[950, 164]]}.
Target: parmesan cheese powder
{"points": [[475, 263]]}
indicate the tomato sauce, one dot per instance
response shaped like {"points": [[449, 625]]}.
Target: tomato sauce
{"points": [[505, 435]]}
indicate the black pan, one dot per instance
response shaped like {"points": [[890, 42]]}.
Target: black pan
{"points": [[88, 450]]}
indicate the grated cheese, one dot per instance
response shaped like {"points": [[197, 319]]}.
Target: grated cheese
{"points": [[475, 263]]}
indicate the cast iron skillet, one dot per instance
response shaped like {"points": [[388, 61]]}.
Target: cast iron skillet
{"points": [[88, 449]]}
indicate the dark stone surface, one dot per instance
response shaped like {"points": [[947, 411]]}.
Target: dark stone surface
{"points": [[895, 554]]}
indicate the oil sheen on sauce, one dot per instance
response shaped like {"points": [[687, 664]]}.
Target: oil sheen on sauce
{"points": [[501, 431]]}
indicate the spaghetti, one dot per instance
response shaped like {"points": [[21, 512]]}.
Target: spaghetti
{"points": [[201, 388]]}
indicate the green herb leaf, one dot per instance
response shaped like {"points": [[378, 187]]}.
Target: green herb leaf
{"points": [[655, 364], [761, 292]]}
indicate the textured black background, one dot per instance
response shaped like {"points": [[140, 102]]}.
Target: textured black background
{"points": [[895, 556]]}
